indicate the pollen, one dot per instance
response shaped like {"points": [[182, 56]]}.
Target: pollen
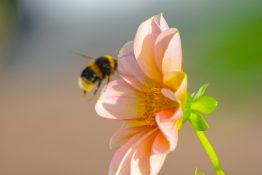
{"points": [[154, 102]]}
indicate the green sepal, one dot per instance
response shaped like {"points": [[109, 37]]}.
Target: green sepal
{"points": [[198, 121], [198, 173], [200, 92], [205, 105], [187, 108]]}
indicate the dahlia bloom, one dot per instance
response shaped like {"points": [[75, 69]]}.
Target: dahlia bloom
{"points": [[149, 99]]}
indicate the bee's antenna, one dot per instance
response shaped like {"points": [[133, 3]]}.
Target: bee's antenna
{"points": [[122, 56], [83, 55]]}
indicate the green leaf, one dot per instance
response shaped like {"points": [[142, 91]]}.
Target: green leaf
{"points": [[205, 104], [198, 121], [187, 109], [200, 92]]}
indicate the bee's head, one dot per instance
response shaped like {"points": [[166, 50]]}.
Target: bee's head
{"points": [[115, 63], [85, 85]]}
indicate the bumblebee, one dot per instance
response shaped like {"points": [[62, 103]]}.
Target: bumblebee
{"points": [[101, 68]]}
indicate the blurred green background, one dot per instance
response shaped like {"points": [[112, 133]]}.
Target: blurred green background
{"points": [[45, 128]]}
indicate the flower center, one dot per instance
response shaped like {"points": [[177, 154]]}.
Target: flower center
{"points": [[154, 101]]}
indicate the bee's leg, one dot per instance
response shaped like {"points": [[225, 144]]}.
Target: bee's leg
{"points": [[83, 95], [97, 87], [108, 79]]}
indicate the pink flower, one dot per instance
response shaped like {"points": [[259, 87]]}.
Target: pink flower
{"points": [[149, 99]]}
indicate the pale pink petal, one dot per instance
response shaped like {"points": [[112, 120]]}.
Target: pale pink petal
{"points": [[160, 21], [168, 127], [140, 162], [168, 51], [135, 166], [123, 134], [129, 69], [156, 162], [121, 161], [161, 45], [169, 94], [144, 45], [151, 166], [118, 100]]}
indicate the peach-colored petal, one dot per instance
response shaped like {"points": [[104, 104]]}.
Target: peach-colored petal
{"points": [[173, 80], [167, 125], [168, 51], [123, 134], [121, 161], [119, 100], [144, 45], [160, 144], [182, 90], [177, 81], [135, 123], [129, 69], [177, 115]]}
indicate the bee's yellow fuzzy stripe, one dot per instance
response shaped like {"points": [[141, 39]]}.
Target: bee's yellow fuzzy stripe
{"points": [[96, 70], [111, 62]]}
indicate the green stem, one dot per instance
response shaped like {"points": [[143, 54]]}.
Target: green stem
{"points": [[210, 152]]}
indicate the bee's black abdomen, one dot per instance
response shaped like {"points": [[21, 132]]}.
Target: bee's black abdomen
{"points": [[104, 66], [89, 74]]}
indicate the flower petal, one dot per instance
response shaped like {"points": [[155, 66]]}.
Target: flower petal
{"points": [[182, 90], [160, 145], [140, 162], [119, 100], [169, 94], [168, 51], [161, 22], [135, 166], [144, 45], [177, 81], [132, 150], [123, 134], [174, 80], [156, 162], [120, 163], [167, 124], [129, 70]]}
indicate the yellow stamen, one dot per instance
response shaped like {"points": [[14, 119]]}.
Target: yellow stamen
{"points": [[154, 102]]}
